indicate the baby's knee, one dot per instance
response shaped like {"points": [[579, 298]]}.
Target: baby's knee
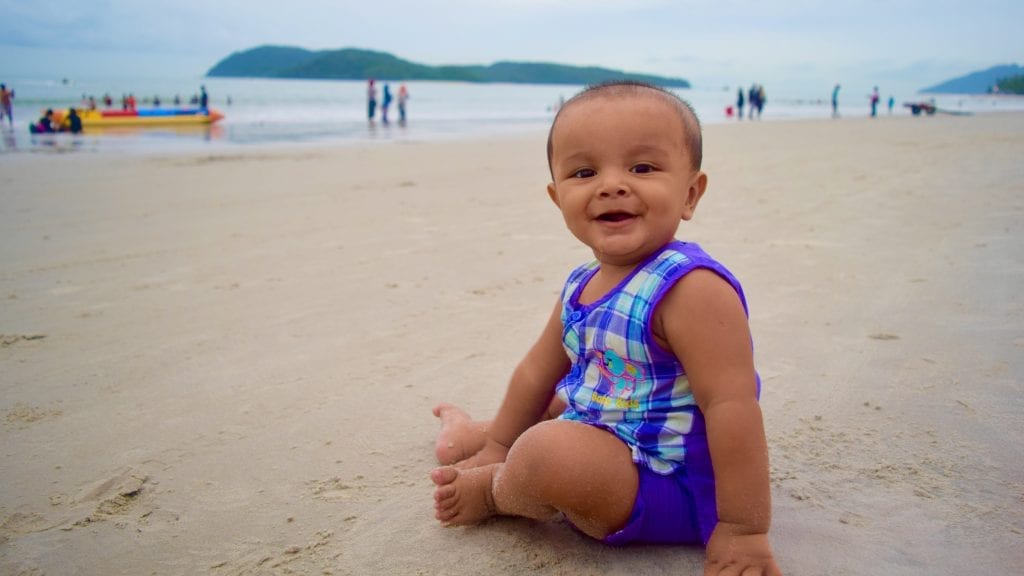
{"points": [[539, 449], [556, 449]]}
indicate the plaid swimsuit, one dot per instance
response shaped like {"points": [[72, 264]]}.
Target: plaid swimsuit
{"points": [[623, 381]]}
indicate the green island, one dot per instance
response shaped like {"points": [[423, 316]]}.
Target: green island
{"points": [[981, 82], [1011, 85], [356, 64]]}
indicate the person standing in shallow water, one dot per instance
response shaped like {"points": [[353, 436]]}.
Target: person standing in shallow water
{"points": [[6, 105], [371, 100], [385, 103], [403, 97]]}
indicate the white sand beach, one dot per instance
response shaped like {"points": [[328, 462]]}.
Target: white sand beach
{"points": [[225, 363]]}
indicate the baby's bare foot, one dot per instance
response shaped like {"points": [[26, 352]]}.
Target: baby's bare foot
{"points": [[463, 496], [460, 436]]}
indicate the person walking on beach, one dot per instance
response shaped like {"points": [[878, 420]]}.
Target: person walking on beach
{"points": [[739, 103], [761, 99], [752, 100], [635, 413], [371, 100], [874, 102], [385, 103], [835, 102], [892, 102], [6, 105], [204, 98], [403, 97]]}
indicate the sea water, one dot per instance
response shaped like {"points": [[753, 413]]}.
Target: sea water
{"points": [[276, 112]]}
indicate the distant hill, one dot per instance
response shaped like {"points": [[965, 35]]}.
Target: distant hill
{"points": [[976, 82], [355, 64], [1012, 85]]}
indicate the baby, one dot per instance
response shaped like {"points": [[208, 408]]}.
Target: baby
{"points": [[635, 414]]}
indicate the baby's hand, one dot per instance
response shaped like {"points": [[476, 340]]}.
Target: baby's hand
{"points": [[732, 550]]}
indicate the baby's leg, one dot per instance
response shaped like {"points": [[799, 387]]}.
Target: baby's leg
{"points": [[461, 436], [583, 472]]}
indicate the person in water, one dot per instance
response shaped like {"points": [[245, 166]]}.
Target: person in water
{"points": [[45, 123], [385, 104], [73, 122], [371, 100], [403, 97], [6, 105]]}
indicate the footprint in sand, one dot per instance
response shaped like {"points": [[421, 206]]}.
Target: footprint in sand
{"points": [[120, 498], [7, 340], [318, 556], [22, 415], [335, 489], [117, 495], [20, 523]]}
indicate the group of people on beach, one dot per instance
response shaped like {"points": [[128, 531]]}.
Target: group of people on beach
{"points": [[874, 98], [48, 123], [755, 97], [129, 102], [71, 122], [385, 103]]}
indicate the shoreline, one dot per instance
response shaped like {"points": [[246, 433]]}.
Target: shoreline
{"points": [[262, 126], [225, 362], [158, 142]]}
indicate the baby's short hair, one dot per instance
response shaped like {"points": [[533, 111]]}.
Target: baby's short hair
{"points": [[633, 88]]}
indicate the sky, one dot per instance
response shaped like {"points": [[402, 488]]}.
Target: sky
{"points": [[790, 46]]}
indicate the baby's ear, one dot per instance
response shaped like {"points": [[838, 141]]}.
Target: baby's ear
{"points": [[553, 194], [694, 193]]}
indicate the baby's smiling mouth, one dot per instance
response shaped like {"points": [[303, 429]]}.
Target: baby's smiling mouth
{"points": [[615, 216]]}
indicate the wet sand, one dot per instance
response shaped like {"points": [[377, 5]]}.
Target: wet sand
{"points": [[225, 363]]}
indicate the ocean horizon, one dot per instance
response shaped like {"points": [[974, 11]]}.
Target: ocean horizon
{"points": [[285, 112]]}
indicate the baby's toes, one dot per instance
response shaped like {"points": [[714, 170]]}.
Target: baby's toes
{"points": [[446, 502], [444, 475], [445, 513], [445, 492]]}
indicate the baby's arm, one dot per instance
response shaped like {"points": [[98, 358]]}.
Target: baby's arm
{"points": [[703, 321], [530, 391]]}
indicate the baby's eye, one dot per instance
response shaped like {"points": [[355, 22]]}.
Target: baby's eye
{"points": [[643, 168], [584, 173]]}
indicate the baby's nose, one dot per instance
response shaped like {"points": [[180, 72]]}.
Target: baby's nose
{"points": [[614, 185]]}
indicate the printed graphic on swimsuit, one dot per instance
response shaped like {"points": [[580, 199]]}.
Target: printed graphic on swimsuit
{"points": [[620, 379]]}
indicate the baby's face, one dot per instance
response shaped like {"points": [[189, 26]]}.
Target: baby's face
{"points": [[622, 175]]}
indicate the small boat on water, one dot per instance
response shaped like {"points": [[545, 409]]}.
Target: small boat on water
{"points": [[142, 117]]}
